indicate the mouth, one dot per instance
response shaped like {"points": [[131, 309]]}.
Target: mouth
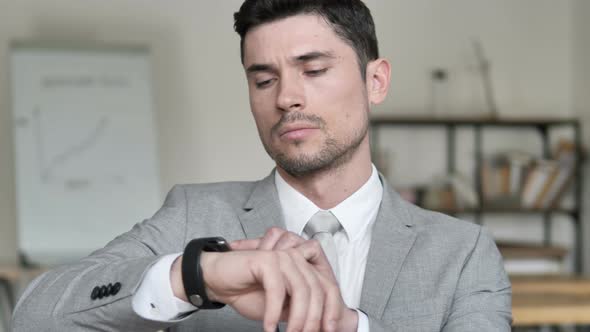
{"points": [[296, 131]]}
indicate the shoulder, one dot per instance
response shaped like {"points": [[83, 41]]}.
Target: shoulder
{"points": [[236, 192], [436, 221], [447, 244], [443, 230]]}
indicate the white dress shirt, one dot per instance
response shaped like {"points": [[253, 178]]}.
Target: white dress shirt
{"points": [[154, 299]]}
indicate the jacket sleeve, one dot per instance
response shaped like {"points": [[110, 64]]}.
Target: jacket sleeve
{"points": [[482, 299], [60, 299]]}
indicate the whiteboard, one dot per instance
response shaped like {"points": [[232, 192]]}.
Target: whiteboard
{"points": [[85, 147]]}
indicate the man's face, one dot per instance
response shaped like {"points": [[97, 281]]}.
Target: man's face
{"points": [[307, 95]]}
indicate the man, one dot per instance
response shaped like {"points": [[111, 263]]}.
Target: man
{"points": [[313, 72]]}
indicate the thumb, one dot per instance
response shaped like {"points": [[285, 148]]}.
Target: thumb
{"points": [[245, 244]]}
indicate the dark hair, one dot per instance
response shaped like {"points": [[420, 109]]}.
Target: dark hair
{"points": [[350, 19]]}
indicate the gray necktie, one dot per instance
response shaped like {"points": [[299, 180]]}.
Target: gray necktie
{"points": [[322, 227]]}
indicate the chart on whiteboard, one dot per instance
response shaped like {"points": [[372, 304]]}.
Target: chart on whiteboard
{"points": [[85, 148], [53, 160]]}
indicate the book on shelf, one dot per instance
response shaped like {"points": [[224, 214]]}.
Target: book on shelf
{"points": [[464, 191], [561, 177], [511, 180], [536, 181], [503, 177], [519, 180], [449, 193], [518, 166]]}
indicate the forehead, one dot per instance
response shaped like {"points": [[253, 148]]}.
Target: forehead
{"points": [[290, 37]]}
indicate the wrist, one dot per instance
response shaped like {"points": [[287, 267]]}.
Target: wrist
{"points": [[207, 259], [195, 262], [207, 267], [176, 279]]}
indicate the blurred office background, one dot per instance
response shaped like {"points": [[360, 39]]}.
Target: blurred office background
{"points": [[538, 64]]}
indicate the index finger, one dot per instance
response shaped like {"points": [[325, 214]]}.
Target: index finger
{"points": [[245, 244], [312, 252]]}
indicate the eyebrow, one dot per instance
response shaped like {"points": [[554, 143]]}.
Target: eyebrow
{"points": [[303, 58], [258, 67], [314, 56]]}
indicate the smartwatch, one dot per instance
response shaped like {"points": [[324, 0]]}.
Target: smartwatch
{"points": [[192, 275]]}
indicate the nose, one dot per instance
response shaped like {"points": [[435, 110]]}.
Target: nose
{"points": [[291, 96]]}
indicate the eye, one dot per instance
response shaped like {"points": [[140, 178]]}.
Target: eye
{"points": [[263, 84], [316, 72]]}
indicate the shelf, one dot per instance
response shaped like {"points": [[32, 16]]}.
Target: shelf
{"points": [[470, 121], [507, 210], [530, 251], [478, 124]]}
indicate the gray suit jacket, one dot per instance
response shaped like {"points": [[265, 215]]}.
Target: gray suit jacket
{"points": [[425, 271]]}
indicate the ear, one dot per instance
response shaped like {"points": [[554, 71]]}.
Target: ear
{"points": [[378, 80]]}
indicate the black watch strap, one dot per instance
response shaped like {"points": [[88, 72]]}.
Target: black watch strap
{"points": [[192, 275]]}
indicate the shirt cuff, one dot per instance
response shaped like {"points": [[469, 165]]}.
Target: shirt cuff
{"points": [[363, 325], [154, 299]]}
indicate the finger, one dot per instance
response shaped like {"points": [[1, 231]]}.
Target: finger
{"points": [[312, 252], [334, 304], [288, 240], [245, 244], [315, 310], [286, 308], [271, 237], [299, 291], [275, 290]]}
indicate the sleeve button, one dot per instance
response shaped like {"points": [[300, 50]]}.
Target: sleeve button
{"points": [[103, 292], [109, 290], [95, 292], [116, 288]]}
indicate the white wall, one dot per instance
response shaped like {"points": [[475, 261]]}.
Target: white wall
{"points": [[205, 129], [528, 41], [581, 97], [581, 59]]}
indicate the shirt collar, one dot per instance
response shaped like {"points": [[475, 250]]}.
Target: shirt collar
{"points": [[355, 213]]}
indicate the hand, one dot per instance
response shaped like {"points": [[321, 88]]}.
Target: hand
{"points": [[279, 239], [269, 286]]}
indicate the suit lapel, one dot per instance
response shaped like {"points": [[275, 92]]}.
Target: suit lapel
{"points": [[392, 238], [262, 210]]}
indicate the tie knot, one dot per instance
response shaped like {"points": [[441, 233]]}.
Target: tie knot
{"points": [[322, 222]]}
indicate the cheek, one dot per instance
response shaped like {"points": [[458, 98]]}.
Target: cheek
{"points": [[345, 91], [347, 105], [261, 109], [349, 112], [262, 105]]}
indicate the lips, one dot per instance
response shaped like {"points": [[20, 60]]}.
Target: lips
{"points": [[296, 131]]}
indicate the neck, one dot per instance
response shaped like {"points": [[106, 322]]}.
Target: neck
{"points": [[329, 187]]}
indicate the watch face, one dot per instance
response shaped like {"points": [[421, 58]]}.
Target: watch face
{"points": [[217, 244]]}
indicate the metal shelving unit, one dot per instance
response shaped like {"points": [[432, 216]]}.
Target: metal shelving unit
{"points": [[478, 124]]}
